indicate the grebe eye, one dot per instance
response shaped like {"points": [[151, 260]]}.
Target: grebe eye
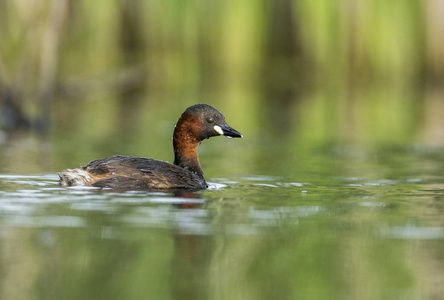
{"points": [[210, 120]]}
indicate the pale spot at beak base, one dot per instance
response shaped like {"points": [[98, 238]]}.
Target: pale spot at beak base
{"points": [[218, 129]]}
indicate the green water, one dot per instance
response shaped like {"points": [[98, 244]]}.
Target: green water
{"points": [[344, 223]]}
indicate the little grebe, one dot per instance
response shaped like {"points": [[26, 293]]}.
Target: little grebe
{"points": [[197, 123]]}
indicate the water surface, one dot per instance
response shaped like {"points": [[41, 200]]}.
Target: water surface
{"points": [[339, 226]]}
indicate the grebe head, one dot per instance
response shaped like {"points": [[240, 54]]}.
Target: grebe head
{"points": [[202, 121], [198, 122]]}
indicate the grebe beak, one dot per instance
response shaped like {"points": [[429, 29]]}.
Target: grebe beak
{"points": [[227, 131]]}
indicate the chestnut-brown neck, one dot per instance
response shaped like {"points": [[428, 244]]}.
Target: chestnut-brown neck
{"points": [[185, 142]]}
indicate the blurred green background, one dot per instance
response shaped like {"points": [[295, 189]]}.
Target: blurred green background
{"points": [[341, 105], [95, 78]]}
